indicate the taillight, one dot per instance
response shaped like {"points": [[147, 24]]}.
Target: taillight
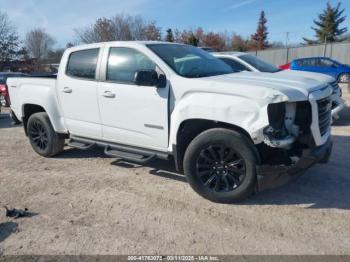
{"points": [[3, 88], [285, 67]]}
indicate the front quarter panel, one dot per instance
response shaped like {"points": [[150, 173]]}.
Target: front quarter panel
{"points": [[239, 111]]}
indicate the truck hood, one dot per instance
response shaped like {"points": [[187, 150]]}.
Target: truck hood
{"points": [[316, 76], [258, 85]]}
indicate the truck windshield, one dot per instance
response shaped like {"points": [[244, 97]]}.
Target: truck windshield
{"points": [[189, 61], [259, 64]]}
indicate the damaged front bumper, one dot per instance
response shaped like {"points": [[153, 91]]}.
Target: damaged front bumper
{"points": [[270, 176]]}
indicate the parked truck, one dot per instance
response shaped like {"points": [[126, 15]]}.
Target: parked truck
{"points": [[230, 134]]}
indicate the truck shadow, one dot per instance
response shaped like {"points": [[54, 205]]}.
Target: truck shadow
{"points": [[322, 187], [5, 120], [7, 229]]}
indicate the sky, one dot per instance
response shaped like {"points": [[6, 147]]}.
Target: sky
{"points": [[61, 17]]}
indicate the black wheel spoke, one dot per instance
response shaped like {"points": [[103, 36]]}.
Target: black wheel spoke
{"points": [[235, 180], [212, 153], [218, 184], [205, 172], [221, 168], [210, 180], [227, 184], [38, 135]]}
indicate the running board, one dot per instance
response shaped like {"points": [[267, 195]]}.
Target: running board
{"points": [[128, 156], [133, 154], [80, 145]]}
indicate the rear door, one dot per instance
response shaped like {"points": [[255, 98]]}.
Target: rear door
{"points": [[77, 92], [132, 114]]}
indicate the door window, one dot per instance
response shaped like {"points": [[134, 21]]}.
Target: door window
{"points": [[82, 64], [123, 63]]}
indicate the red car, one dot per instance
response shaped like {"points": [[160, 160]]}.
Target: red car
{"points": [[4, 95]]}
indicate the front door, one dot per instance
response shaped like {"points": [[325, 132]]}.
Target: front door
{"points": [[132, 114]]}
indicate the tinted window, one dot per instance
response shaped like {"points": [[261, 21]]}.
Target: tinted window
{"points": [[235, 65], [83, 64], [189, 61], [322, 62], [123, 63], [259, 64], [306, 62]]}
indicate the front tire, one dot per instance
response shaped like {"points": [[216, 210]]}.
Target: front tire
{"points": [[43, 138], [220, 165]]}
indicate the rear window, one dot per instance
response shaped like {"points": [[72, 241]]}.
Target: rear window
{"points": [[82, 64]]}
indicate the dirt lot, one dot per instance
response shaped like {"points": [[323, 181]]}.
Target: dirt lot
{"points": [[88, 203]]}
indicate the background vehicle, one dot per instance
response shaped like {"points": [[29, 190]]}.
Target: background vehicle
{"points": [[4, 96], [322, 65], [208, 49], [226, 131], [245, 62]]}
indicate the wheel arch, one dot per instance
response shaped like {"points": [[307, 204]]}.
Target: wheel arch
{"points": [[28, 109], [191, 128]]}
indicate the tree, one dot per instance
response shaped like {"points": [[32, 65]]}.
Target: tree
{"points": [[240, 44], [119, 28], [328, 25], [169, 35], [38, 43], [152, 32], [214, 40], [260, 37], [9, 40]]}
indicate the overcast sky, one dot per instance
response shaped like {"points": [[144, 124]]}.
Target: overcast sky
{"points": [[60, 17]]}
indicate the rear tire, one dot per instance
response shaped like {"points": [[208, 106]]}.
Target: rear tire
{"points": [[43, 138], [220, 165]]}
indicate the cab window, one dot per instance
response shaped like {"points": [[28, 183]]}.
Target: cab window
{"points": [[123, 63], [82, 64]]}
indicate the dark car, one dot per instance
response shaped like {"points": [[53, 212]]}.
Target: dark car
{"points": [[4, 95], [322, 65]]}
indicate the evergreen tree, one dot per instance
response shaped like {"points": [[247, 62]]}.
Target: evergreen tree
{"points": [[260, 37], [169, 35], [328, 25]]}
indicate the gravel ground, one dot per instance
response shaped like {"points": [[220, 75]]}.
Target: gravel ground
{"points": [[87, 203]]}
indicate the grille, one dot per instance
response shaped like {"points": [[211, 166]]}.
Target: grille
{"points": [[324, 114]]}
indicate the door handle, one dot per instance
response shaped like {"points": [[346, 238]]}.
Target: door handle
{"points": [[67, 90], [109, 94]]}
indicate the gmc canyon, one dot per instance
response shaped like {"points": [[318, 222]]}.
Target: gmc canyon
{"points": [[230, 133]]}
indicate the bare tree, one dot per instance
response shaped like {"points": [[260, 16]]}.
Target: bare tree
{"points": [[119, 28], [152, 32], [101, 31], [38, 43], [9, 41]]}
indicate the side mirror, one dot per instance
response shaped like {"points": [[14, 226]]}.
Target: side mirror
{"points": [[150, 78]]}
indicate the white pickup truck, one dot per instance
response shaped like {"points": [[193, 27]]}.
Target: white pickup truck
{"points": [[230, 133]]}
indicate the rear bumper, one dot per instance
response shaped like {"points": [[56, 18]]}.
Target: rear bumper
{"points": [[275, 176]]}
